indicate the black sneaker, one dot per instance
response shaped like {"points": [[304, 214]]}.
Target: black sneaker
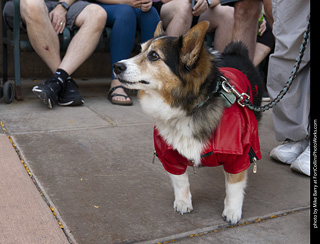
{"points": [[49, 91], [70, 95]]}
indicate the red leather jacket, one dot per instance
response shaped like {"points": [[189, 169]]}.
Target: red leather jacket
{"points": [[234, 142]]}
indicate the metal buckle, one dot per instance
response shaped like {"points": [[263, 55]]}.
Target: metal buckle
{"points": [[227, 87], [242, 98]]}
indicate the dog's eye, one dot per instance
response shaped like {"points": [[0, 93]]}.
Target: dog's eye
{"points": [[153, 56]]}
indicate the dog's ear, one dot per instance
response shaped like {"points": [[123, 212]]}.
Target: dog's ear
{"points": [[159, 30], [192, 44]]}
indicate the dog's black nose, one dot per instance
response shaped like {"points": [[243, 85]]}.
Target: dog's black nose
{"points": [[119, 68]]}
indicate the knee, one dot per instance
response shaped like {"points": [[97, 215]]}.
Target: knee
{"points": [[99, 15], [33, 10], [183, 11], [126, 14], [92, 15]]}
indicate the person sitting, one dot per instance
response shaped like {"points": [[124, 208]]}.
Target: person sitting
{"points": [[221, 19], [124, 20], [43, 21], [179, 15]]}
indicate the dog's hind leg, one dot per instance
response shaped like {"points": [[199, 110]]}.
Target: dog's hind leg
{"points": [[235, 187], [181, 186]]}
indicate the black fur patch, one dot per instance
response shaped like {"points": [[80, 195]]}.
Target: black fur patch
{"points": [[236, 56], [171, 49]]}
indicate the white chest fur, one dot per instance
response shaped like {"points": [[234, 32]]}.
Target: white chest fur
{"points": [[174, 126]]}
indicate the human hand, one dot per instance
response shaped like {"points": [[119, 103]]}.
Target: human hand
{"points": [[58, 18], [133, 3], [262, 27], [200, 7], [146, 5]]}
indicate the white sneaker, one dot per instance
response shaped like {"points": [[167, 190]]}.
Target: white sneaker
{"points": [[302, 163], [288, 151]]}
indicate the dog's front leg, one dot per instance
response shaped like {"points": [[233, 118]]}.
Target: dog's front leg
{"points": [[235, 186], [181, 186]]}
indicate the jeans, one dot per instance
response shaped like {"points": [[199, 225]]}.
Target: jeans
{"points": [[124, 21]]}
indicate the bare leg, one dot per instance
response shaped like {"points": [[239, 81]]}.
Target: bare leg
{"points": [[91, 21], [42, 36], [181, 186], [221, 21], [246, 16], [235, 186], [261, 52], [177, 17]]}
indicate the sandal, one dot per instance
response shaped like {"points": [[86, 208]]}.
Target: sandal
{"points": [[111, 96]]}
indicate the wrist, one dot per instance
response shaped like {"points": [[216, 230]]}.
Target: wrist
{"points": [[64, 5]]}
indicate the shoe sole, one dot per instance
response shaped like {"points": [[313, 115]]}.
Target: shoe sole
{"points": [[43, 97], [274, 156], [266, 99], [296, 167], [76, 102]]}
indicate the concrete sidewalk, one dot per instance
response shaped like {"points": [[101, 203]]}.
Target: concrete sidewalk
{"points": [[94, 166], [24, 215]]}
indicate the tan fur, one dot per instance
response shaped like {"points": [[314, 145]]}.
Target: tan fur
{"points": [[235, 178], [198, 75], [165, 77], [192, 49], [159, 30], [168, 80], [193, 43]]}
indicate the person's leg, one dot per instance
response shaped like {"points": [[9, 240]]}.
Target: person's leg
{"points": [[261, 53], [91, 22], [246, 16], [43, 38], [122, 19], [291, 114], [59, 88], [147, 21], [221, 21], [177, 17]]}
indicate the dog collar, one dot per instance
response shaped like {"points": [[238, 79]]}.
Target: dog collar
{"points": [[223, 91], [228, 96]]}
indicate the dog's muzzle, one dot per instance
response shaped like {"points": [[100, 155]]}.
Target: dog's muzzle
{"points": [[118, 68]]}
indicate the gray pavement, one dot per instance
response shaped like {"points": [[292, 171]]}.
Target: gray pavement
{"points": [[93, 165]]}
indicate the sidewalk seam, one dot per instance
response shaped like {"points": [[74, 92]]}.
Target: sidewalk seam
{"points": [[222, 227], [78, 129], [68, 236]]}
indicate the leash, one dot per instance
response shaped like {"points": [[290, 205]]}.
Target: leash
{"points": [[243, 98]]}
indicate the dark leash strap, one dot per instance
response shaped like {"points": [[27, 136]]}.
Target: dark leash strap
{"points": [[231, 95], [283, 92]]}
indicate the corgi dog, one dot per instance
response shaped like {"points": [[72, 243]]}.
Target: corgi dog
{"points": [[197, 122]]}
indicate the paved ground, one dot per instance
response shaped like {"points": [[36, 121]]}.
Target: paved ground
{"points": [[93, 166]]}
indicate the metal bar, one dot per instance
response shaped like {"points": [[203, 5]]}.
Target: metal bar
{"points": [[16, 49]]}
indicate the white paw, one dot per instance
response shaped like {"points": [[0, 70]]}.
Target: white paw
{"points": [[232, 215], [183, 206]]}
